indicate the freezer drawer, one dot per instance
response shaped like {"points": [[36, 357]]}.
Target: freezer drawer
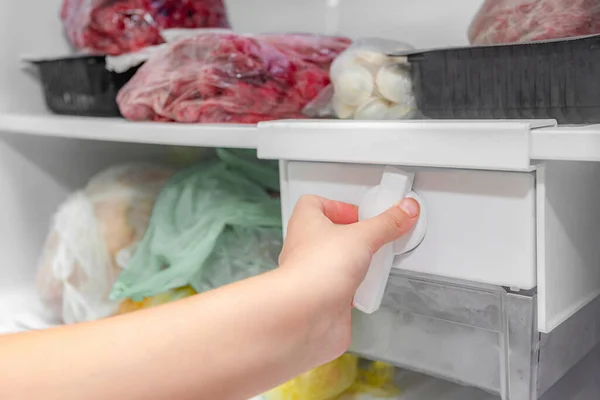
{"points": [[440, 326], [480, 224], [436, 327], [524, 230]]}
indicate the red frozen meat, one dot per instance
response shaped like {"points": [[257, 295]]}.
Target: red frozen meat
{"points": [[121, 26], [229, 78], [512, 21]]}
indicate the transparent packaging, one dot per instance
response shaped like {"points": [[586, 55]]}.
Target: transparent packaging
{"points": [[512, 21], [92, 233], [213, 223], [368, 84], [121, 26], [230, 78]]}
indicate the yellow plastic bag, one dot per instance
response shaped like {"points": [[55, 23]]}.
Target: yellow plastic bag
{"points": [[375, 381], [129, 305], [322, 383]]}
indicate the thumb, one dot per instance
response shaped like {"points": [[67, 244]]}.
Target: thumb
{"points": [[389, 225]]}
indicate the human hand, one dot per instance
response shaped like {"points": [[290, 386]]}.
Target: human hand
{"points": [[329, 252]]}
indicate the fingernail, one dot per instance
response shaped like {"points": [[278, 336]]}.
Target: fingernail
{"points": [[410, 207]]}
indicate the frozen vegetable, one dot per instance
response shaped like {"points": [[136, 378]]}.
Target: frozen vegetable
{"points": [[345, 378], [375, 381], [93, 234], [120, 26], [212, 224], [510, 21], [129, 305], [224, 77], [367, 84], [322, 383]]}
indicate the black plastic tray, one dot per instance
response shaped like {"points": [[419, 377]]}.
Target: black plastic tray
{"points": [[82, 86], [556, 79]]}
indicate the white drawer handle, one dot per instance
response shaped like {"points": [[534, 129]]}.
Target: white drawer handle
{"points": [[395, 185]]}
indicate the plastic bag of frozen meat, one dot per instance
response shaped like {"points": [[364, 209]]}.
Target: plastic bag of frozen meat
{"points": [[514, 21], [231, 78], [120, 26]]}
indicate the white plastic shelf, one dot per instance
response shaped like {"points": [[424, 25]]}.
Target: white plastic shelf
{"points": [[470, 144], [473, 144], [120, 130], [568, 143]]}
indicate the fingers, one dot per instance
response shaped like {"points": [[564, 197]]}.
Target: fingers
{"points": [[340, 213], [390, 225], [336, 211]]}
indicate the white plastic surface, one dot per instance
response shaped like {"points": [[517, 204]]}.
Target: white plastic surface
{"points": [[413, 21], [500, 144], [120, 130], [568, 235], [395, 185], [21, 310], [36, 175], [503, 145], [480, 224], [469, 144], [497, 145], [577, 143]]}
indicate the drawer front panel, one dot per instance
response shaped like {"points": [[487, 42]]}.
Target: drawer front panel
{"points": [[481, 224]]}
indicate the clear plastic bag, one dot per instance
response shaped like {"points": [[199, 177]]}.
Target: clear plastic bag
{"points": [[367, 84], [123, 62], [213, 224], [512, 21], [93, 234], [121, 26], [224, 77]]}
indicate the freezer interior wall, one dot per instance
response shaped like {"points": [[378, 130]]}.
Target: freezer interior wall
{"points": [[36, 175]]}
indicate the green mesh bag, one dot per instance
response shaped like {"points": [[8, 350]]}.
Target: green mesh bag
{"points": [[212, 224]]}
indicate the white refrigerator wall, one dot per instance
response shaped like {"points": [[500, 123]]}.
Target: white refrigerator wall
{"points": [[36, 175]]}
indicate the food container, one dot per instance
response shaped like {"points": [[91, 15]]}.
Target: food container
{"points": [[81, 85], [554, 79]]}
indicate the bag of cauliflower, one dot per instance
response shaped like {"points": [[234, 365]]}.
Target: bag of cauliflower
{"points": [[322, 383], [93, 234], [367, 84]]}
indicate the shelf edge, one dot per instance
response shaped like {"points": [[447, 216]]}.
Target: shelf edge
{"points": [[118, 130]]}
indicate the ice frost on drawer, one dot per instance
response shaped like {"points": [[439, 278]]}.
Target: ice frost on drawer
{"points": [[435, 327], [480, 225], [475, 307], [432, 346]]}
